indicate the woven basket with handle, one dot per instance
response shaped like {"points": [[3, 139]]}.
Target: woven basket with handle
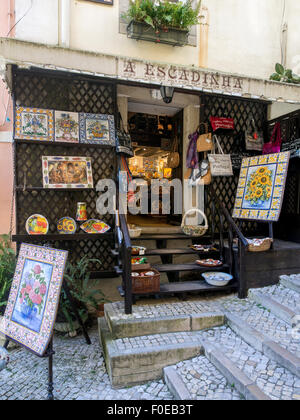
{"points": [[194, 230]]}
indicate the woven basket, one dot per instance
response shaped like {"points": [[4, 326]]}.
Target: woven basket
{"points": [[194, 230], [134, 232], [146, 284], [265, 245]]}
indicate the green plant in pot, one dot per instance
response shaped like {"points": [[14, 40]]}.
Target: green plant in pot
{"points": [[149, 18], [284, 75], [77, 276], [7, 269]]}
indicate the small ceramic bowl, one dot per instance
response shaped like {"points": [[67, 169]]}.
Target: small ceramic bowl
{"points": [[217, 279]]}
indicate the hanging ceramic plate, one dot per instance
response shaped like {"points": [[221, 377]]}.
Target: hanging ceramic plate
{"points": [[66, 225], [94, 226], [37, 224]]}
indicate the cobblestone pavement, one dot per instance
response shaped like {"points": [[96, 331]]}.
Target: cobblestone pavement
{"points": [[283, 295], [204, 381], [79, 374], [277, 382], [264, 321]]}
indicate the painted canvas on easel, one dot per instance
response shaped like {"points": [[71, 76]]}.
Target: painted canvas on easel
{"points": [[34, 297], [261, 187]]}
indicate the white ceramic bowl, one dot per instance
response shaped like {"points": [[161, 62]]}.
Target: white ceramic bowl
{"points": [[217, 278]]}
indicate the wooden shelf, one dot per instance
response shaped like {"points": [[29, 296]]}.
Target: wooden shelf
{"points": [[64, 144], [62, 237]]}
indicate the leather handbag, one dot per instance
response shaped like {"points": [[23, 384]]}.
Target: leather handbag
{"points": [[204, 141], [274, 145], [254, 139], [174, 158], [123, 140], [220, 164]]}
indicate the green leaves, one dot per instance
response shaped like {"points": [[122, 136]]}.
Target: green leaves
{"points": [[163, 14], [7, 268], [284, 75]]}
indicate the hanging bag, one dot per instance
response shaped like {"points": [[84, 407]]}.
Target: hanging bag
{"points": [[222, 123], [123, 143], [274, 145], [254, 139], [204, 141], [220, 164], [200, 175], [174, 158]]}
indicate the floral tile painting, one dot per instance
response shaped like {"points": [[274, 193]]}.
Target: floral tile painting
{"points": [[66, 127], [67, 172], [34, 297], [97, 129], [261, 187], [34, 124]]}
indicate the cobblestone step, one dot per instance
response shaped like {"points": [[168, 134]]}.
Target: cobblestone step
{"points": [[135, 360], [291, 282], [272, 379], [279, 300], [160, 319]]}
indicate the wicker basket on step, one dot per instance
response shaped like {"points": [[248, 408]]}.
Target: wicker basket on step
{"points": [[260, 246], [194, 230], [146, 284]]}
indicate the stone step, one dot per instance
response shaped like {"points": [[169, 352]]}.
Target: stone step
{"points": [[273, 380], [132, 361], [157, 319], [279, 300], [291, 282], [264, 344]]}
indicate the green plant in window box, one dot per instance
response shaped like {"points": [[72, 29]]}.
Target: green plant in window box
{"points": [[284, 75], [77, 276], [148, 18]]}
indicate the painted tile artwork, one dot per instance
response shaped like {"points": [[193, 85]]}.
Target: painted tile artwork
{"points": [[261, 187], [97, 129], [34, 124], [34, 297], [67, 172], [66, 127]]}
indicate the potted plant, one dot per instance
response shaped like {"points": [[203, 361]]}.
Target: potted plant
{"points": [[284, 75], [7, 269], [77, 276], [161, 21]]}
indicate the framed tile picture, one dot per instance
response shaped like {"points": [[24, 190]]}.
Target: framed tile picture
{"points": [[34, 124], [67, 172], [97, 129], [34, 297], [261, 187], [66, 127]]}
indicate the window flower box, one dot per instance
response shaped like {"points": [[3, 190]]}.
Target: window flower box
{"points": [[144, 32]]}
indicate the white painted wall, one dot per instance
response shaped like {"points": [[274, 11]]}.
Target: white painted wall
{"points": [[243, 36], [40, 23]]}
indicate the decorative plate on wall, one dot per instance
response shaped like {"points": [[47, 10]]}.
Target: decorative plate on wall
{"points": [[94, 226], [66, 225], [37, 224]]}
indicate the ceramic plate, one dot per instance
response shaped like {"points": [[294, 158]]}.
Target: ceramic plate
{"points": [[37, 224], [217, 279], [66, 225], [94, 226], [209, 263]]}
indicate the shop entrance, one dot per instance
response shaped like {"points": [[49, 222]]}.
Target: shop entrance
{"points": [[155, 136]]}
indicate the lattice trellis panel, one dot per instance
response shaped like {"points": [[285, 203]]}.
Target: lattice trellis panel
{"points": [[240, 110], [73, 93]]}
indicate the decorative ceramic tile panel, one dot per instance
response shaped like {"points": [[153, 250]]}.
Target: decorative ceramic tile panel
{"points": [[66, 126], [261, 187], [34, 124], [67, 172], [34, 297], [97, 129]]}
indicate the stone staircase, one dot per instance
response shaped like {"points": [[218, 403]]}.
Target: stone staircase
{"points": [[213, 348]]}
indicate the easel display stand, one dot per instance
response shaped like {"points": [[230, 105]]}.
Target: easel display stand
{"points": [[50, 352]]}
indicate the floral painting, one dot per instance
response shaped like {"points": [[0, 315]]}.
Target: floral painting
{"points": [[66, 127], [32, 294], [34, 297], [67, 172], [34, 124], [261, 187], [97, 129]]}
